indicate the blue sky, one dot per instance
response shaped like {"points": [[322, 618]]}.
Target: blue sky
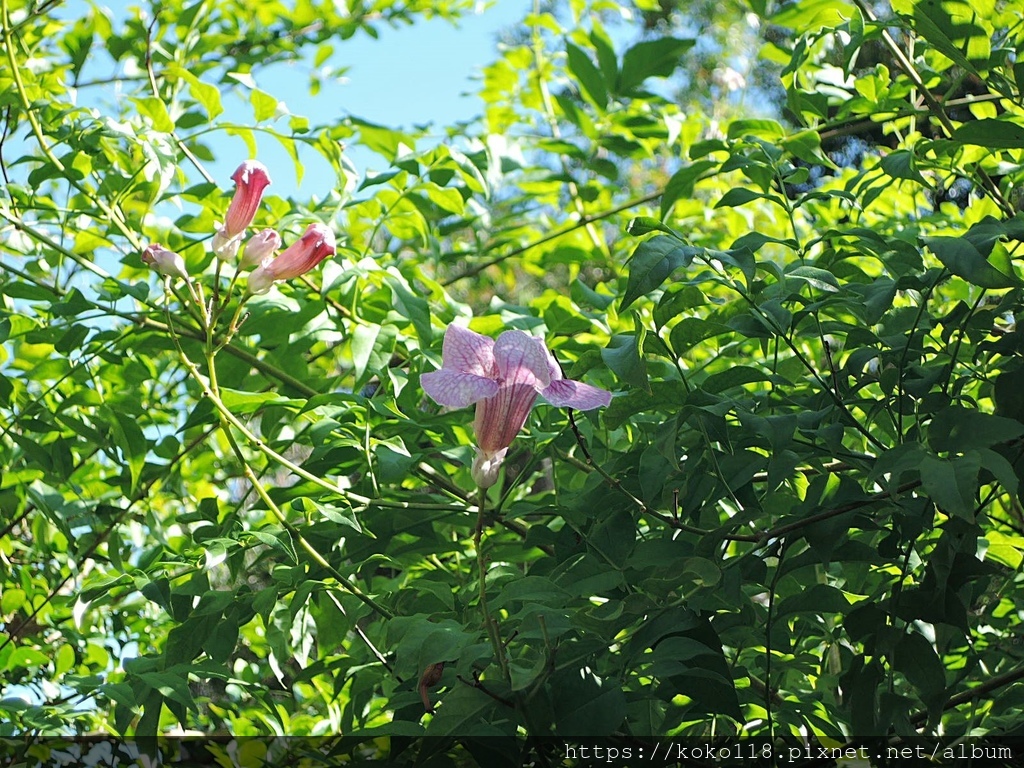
{"points": [[410, 75], [417, 74]]}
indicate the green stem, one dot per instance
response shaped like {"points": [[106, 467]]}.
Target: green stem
{"points": [[259, 444], [319, 559], [227, 420], [489, 623], [581, 222]]}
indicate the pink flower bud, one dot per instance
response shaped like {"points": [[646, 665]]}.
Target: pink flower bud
{"points": [[164, 261], [315, 245], [260, 247], [251, 178]]}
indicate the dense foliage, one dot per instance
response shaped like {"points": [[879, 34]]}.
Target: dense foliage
{"points": [[784, 235]]}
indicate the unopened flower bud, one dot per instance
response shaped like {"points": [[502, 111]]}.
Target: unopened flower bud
{"points": [[486, 467], [315, 245], [164, 261], [250, 178], [259, 248], [224, 246]]}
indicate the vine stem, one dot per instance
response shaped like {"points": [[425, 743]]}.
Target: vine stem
{"points": [[227, 420], [489, 623], [583, 221], [769, 716], [313, 552], [269, 452]]}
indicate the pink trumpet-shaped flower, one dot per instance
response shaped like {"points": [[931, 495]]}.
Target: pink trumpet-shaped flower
{"points": [[315, 245], [250, 178], [260, 247], [164, 261], [503, 378]]}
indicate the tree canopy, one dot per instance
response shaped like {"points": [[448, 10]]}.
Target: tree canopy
{"points": [[783, 236]]}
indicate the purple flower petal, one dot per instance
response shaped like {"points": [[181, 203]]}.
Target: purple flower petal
{"points": [[468, 352], [554, 369], [575, 394], [456, 389], [522, 359], [499, 418]]}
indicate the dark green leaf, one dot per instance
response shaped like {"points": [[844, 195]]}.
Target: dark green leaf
{"points": [[622, 355], [901, 165], [652, 262], [681, 184], [738, 196], [960, 429]]}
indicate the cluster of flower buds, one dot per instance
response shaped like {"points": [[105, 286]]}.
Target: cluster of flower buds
{"points": [[251, 179]]}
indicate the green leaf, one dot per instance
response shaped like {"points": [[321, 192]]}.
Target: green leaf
{"points": [[644, 225], [1007, 549], [819, 599], [154, 112], [963, 43], [901, 165], [821, 279], [916, 659], [959, 429], [28, 658], [583, 708], [1009, 394], [171, 686], [606, 57], [960, 256], [371, 348], [622, 355], [681, 183], [952, 484], [416, 308], [806, 145], [736, 376], [239, 401], [466, 712], [652, 262], [992, 133], [447, 199], [651, 58], [588, 75], [761, 128], [129, 439], [11, 600], [738, 196], [264, 105], [530, 589], [809, 16], [207, 95]]}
